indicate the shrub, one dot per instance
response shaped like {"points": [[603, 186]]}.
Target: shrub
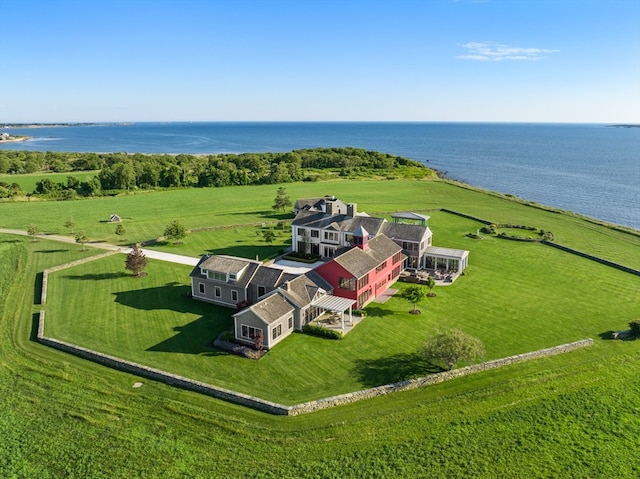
{"points": [[635, 328], [227, 336], [316, 330]]}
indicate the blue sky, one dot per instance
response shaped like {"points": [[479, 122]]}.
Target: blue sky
{"points": [[324, 60]]}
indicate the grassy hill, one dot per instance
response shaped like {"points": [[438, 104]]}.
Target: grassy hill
{"points": [[574, 415]]}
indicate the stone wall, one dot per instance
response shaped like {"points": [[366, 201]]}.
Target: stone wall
{"points": [[295, 410], [606, 262], [45, 273]]}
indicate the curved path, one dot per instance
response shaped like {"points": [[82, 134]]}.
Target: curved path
{"points": [[149, 253]]}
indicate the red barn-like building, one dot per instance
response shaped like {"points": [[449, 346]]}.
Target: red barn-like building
{"points": [[364, 271]]}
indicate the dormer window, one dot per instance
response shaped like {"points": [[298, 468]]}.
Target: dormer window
{"points": [[217, 275]]}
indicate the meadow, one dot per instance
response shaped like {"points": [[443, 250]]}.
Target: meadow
{"points": [[575, 415]]}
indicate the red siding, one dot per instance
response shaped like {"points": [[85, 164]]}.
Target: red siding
{"points": [[378, 282]]}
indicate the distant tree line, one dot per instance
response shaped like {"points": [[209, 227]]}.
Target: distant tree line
{"points": [[122, 171]]}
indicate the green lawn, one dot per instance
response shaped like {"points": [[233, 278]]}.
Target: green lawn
{"points": [[574, 415], [146, 214], [28, 182], [553, 298]]}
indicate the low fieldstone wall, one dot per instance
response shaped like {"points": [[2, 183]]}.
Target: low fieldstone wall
{"points": [[348, 398], [45, 273], [606, 262], [295, 410]]}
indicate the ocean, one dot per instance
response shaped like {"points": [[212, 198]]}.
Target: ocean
{"points": [[591, 169]]}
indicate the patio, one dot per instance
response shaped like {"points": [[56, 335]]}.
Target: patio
{"points": [[331, 320]]}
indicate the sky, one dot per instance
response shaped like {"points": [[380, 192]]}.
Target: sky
{"points": [[320, 60]]}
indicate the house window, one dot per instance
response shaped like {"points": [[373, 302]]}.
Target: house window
{"points": [[381, 266], [302, 232], [201, 288], [362, 282], [347, 283], [217, 292], [410, 246], [234, 295], [329, 251], [331, 236], [348, 238], [217, 275], [261, 291], [290, 322], [232, 277], [249, 331], [363, 298], [315, 234], [277, 331], [397, 257], [396, 272]]}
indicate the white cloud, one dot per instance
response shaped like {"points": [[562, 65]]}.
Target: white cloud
{"points": [[496, 52]]}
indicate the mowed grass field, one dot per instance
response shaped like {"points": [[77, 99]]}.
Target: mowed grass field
{"points": [[553, 298], [146, 214], [575, 415]]}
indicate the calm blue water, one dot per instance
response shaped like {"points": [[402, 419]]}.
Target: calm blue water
{"points": [[590, 169]]}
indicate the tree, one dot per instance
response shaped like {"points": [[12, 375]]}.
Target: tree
{"points": [[281, 201], [82, 239], [32, 231], [269, 236], [136, 261], [258, 341], [451, 347], [431, 284], [414, 294], [120, 230], [70, 223], [175, 231]]}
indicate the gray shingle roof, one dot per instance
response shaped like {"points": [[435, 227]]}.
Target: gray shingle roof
{"points": [[269, 309], [267, 276], [406, 232], [359, 262]]}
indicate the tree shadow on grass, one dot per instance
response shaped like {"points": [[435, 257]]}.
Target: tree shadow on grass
{"points": [[193, 338], [377, 311], [393, 369], [51, 251], [98, 276]]}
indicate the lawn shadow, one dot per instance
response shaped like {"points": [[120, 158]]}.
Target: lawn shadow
{"points": [[35, 322], [51, 250], [193, 338], [172, 296], [609, 336], [97, 276], [37, 288], [393, 369], [377, 311]]}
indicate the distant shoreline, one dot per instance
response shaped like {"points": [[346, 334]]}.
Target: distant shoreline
{"points": [[13, 139]]}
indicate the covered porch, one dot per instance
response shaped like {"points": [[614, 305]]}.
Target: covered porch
{"points": [[337, 313]]}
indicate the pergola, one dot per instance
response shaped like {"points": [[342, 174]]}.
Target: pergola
{"points": [[336, 304]]}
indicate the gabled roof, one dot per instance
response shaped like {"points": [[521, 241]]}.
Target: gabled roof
{"points": [[339, 222], [268, 310], [406, 232], [301, 290], [225, 264], [359, 262], [231, 264], [267, 276]]}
